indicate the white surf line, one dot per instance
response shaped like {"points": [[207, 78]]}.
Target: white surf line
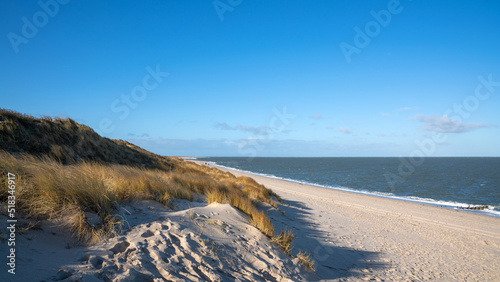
{"points": [[430, 202], [380, 211]]}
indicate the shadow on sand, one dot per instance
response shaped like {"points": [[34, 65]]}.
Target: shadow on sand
{"points": [[330, 261]]}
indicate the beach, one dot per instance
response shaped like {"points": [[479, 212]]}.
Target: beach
{"points": [[354, 237], [349, 236]]}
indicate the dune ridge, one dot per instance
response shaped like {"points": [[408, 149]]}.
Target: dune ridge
{"points": [[73, 182]]}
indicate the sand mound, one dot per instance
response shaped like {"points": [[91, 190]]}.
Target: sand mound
{"points": [[202, 243]]}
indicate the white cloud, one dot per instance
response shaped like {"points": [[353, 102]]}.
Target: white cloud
{"points": [[144, 135], [265, 147], [261, 130], [403, 109], [345, 130], [385, 114], [223, 126], [317, 116], [179, 147], [445, 124]]}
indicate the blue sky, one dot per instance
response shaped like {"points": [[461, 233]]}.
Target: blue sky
{"points": [[262, 78]]}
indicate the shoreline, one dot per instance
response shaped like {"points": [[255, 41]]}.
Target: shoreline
{"points": [[354, 236], [456, 206]]}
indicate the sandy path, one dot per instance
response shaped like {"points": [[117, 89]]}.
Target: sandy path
{"points": [[356, 237]]}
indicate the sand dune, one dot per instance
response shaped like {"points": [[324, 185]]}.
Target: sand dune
{"points": [[192, 242], [350, 236]]}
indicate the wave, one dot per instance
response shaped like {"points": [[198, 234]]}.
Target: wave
{"points": [[490, 210]]}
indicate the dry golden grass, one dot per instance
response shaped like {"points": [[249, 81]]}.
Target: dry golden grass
{"points": [[262, 222], [215, 196], [46, 189], [284, 240], [65, 170], [305, 259]]}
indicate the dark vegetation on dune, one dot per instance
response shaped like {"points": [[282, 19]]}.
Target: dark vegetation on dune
{"points": [[65, 170], [68, 142]]}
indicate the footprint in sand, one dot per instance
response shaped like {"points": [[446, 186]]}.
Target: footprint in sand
{"points": [[242, 238], [147, 234], [120, 247], [175, 239], [96, 261]]}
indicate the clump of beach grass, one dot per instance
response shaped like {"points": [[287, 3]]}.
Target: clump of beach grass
{"points": [[305, 259], [284, 240]]}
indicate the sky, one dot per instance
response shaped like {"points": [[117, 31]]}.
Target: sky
{"points": [[262, 78]]}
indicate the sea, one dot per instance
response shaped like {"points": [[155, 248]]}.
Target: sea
{"points": [[460, 183]]}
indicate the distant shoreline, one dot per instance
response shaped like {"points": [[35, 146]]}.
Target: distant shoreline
{"points": [[414, 240], [457, 206]]}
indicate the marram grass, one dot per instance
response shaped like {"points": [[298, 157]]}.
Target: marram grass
{"points": [[64, 171], [46, 189]]}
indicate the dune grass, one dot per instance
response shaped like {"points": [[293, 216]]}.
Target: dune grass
{"points": [[305, 259], [66, 171], [69, 142], [46, 189], [284, 240], [50, 190]]}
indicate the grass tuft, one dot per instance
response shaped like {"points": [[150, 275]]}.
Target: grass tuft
{"points": [[284, 240], [305, 259], [216, 196]]}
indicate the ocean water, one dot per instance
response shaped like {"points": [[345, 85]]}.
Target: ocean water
{"points": [[450, 182]]}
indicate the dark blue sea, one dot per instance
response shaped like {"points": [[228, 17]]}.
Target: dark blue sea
{"points": [[450, 182]]}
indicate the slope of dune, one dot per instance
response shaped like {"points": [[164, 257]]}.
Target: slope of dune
{"points": [[191, 241], [76, 196]]}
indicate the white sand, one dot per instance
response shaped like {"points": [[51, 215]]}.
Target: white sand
{"points": [[351, 237], [356, 237], [192, 242]]}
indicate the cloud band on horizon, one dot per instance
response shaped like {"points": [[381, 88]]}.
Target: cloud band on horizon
{"points": [[445, 124]]}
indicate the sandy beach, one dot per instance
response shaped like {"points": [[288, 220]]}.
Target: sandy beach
{"points": [[356, 237], [350, 236]]}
